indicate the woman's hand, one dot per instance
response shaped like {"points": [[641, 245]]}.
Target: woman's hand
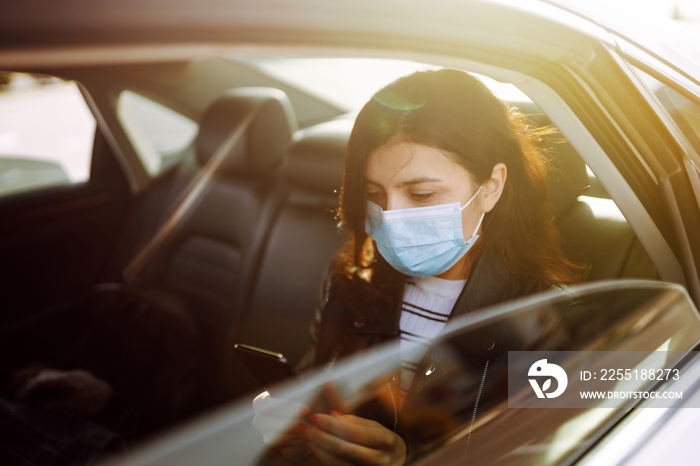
{"points": [[345, 439], [278, 421]]}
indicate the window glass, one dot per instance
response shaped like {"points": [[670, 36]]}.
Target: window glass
{"points": [[684, 111], [350, 82], [468, 406], [460, 408], [46, 133], [159, 134], [486, 379]]}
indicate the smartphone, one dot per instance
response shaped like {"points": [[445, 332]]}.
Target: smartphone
{"points": [[268, 367]]}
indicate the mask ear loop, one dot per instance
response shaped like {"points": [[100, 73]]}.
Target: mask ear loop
{"points": [[482, 215], [478, 224], [471, 199]]}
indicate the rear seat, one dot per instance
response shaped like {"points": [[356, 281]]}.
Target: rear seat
{"points": [[210, 258], [303, 239]]}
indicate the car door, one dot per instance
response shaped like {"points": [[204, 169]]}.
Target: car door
{"points": [[675, 98], [63, 197], [476, 404]]}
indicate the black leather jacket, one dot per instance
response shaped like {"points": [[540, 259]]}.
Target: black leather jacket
{"points": [[340, 330]]}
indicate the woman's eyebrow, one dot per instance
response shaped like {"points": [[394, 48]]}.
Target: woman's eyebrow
{"points": [[411, 182], [418, 180]]}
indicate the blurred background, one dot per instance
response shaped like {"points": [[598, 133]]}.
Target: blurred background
{"points": [[686, 12]]}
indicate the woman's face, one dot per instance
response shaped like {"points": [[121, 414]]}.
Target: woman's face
{"points": [[404, 175]]}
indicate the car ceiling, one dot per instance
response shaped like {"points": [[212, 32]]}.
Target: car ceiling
{"points": [[551, 29], [32, 26]]}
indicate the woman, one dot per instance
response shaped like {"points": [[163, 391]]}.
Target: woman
{"points": [[444, 197]]}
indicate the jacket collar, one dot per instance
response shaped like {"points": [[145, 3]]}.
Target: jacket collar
{"points": [[489, 283]]}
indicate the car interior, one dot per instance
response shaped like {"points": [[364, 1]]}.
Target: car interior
{"points": [[231, 241]]}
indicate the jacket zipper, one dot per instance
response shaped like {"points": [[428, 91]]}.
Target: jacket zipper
{"points": [[393, 402]]}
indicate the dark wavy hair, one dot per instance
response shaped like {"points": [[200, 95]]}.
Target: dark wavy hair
{"points": [[453, 111]]}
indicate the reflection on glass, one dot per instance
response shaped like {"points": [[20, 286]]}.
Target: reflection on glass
{"points": [[458, 413]]}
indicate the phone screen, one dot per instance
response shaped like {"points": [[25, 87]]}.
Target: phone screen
{"points": [[268, 367]]}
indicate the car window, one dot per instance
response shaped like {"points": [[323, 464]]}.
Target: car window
{"points": [[468, 410], [46, 133], [684, 111], [351, 82], [159, 134], [488, 395], [476, 405]]}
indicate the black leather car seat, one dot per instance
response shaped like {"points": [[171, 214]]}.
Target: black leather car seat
{"points": [[216, 249], [303, 239], [212, 255]]}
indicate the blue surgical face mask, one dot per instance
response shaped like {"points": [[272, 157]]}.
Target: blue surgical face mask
{"points": [[421, 241]]}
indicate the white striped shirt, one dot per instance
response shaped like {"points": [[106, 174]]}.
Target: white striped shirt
{"points": [[427, 303]]}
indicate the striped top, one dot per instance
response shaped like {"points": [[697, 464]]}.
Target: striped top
{"points": [[427, 304]]}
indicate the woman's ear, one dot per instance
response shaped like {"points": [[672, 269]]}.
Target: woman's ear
{"points": [[493, 188]]}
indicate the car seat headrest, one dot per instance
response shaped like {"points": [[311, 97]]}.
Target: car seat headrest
{"points": [[265, 141], [317, 155]]}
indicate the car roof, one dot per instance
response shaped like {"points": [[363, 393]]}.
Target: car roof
{"points": [[658, 36], [545, 26]]}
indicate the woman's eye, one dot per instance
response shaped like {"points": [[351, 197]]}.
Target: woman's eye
{"points": [[422, 196], [373, 194]]}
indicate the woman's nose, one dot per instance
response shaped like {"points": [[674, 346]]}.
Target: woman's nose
{"points": [[394, 202]]}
